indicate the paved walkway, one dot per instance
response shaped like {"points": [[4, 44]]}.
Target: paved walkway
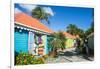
{"points": [[68, 55]]}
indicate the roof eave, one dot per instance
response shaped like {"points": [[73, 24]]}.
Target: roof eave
{"points": [[18, 23]]}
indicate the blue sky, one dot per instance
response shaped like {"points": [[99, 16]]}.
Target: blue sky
{"points": [[62, 16]]}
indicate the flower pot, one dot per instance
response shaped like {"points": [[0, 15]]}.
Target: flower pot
{"points": [[40, 51], [53, 54]]}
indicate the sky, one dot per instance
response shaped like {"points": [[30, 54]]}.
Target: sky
{"points": [[62, 16]]}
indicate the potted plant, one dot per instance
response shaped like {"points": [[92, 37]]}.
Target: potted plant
{"points": [[58, 42], [40, 50]]}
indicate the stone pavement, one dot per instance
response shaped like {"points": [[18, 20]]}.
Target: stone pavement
{"points": [[68, 55]]}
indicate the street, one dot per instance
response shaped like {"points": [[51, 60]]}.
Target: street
{"points": [[69, 55]]}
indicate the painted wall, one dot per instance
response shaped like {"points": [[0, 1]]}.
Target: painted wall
{"points": [[69, 43], [21, 40], [31, 43], [49, 38], [44, 43], [91, 42], [25, 41]]}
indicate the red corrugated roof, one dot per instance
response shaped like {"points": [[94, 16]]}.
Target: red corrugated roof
{"points": [[69, 35], [29, 21]]}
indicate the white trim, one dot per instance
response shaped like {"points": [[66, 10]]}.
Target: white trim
{"points": [[37, 31], [28, 40], [30, 27]]}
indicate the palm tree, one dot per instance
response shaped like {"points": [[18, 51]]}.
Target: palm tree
{"points": [[90, 30], [40, 14], [55, 45], [72, 29], [62, 37], [58, 42], [80, 32]]}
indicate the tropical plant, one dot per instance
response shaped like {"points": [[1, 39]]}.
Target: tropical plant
{"points": [[72, 29], [62, 37], [41, 47], [90, 30], [25, 59], [40, 14], [57, 43], [81, 33], [45, 56]]}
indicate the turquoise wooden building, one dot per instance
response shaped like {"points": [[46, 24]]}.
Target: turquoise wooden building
{"points": [[30, 35]]}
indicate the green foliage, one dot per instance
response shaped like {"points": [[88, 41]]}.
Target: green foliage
{"points": [[56, 44], [74, 30], [58, 41], [25, 59], [45, 56], [40, 14], [62, 37], [41, 47], [80, 32], [90, 30]]}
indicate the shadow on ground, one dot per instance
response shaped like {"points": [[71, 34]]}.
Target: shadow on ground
{"points": [[73, 53], [67, 53]]}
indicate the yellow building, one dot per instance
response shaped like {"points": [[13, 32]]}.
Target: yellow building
{"points": [[70, 40]]}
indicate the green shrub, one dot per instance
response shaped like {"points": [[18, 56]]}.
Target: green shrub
{"points": [[41, 47], [25, 59], [45, 56]]}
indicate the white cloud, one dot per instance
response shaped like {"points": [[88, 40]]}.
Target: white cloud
{"points": [[28, 7], [17, 10], [49, 10]]}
